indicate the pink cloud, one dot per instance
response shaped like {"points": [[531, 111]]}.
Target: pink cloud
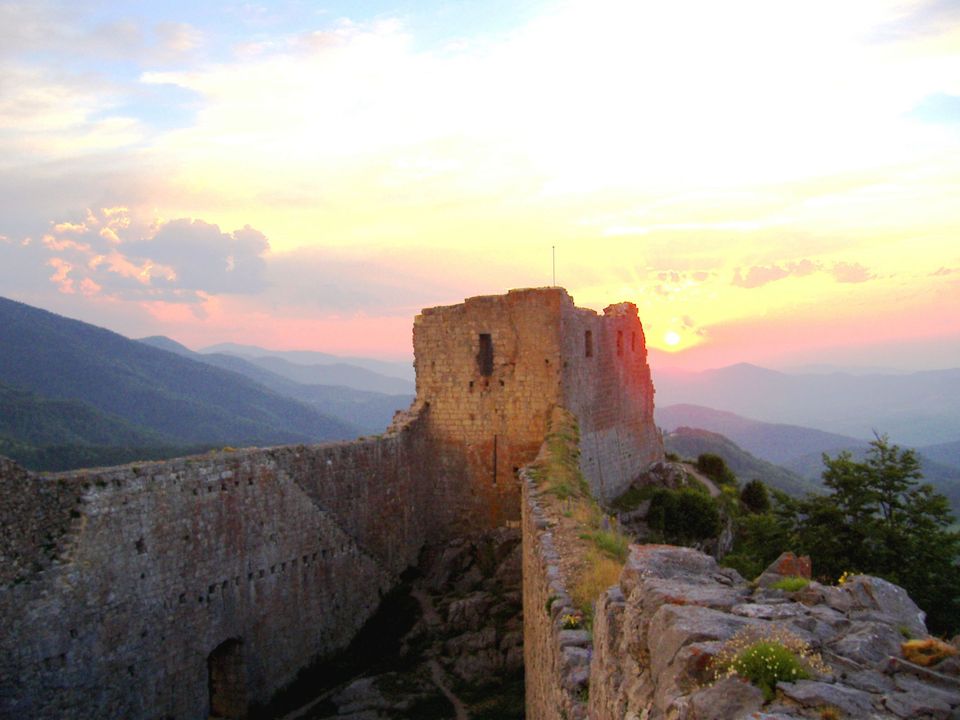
{"points": [[851, 273], [61, 277], [759, 276]]}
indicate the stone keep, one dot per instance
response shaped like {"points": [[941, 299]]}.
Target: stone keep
{"points": [[488, 373]]}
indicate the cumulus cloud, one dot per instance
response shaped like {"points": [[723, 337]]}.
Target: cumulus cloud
{"points": [[204, 258], [183, 261]]}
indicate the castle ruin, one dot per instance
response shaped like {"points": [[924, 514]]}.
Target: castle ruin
{"points": [[200, 585]]}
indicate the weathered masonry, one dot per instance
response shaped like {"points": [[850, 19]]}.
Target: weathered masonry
{"points": [[198, 586]]}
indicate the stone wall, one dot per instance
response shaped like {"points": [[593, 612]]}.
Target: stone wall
{"points": [[606, 383], [283, 551], [556, 661]]}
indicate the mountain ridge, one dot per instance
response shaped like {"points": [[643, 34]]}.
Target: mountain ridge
{"points": [[187, 401]]}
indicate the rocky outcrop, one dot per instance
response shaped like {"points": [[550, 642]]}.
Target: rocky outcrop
{"points": [[659, 634], [447, 644]]}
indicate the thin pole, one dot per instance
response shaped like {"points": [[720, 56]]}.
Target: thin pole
{"points": [[553, 254]]}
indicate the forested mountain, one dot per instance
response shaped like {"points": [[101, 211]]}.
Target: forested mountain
{"points": [[177, 398], [689, 443], [371, 412]]}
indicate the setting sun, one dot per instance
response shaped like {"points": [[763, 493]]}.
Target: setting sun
{"points": [[671, 338]]}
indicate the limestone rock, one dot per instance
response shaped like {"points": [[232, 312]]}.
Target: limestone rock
{"points": [[892, 601], [868, 643], [728, 699], [811, 693], [787, 565]]}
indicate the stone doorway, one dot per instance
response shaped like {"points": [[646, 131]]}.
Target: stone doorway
{"points": [[227, 681]]}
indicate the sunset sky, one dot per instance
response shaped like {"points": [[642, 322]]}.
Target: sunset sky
{"points": [[771, 182]]}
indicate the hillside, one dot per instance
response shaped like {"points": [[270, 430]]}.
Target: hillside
{"points": [[387, 368], [920, 408], [371, 412], [689, 443], [340, 374], [28, 418], [186, 401], [944, 453], [778, 443], [800, 450]]}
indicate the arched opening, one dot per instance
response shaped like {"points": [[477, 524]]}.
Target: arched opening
{"points": [[228, 691]]}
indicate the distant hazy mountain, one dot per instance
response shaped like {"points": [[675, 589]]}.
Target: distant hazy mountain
{"points": [[774, 442], [371, 412], [945, 453], [341, 374], [689, 443], [921, 408], [186, 401], [402, 370], [800, 450]]}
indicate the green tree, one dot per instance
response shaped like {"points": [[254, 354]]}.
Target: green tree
{"points": [[755, 497], [715, 468], [683, 516], [877, 519]]}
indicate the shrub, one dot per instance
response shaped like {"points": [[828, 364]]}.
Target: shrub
{"points": [[715, 468], [684, 515], [765, 663], [755, 497], [768, 656], [631, 499], [791, 584]]}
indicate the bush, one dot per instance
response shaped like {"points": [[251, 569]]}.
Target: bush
{"points": [[768, 656], [755, 497], [683, 516], [765, 663], [791, 584], [715, 468]]}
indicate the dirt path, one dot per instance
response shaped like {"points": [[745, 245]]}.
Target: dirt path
{"points": [[704, 480]]}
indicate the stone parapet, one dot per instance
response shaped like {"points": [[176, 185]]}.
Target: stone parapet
{"points": [[556, 660]]}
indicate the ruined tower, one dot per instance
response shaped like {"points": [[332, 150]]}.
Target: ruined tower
{"points": [[488, 373]]}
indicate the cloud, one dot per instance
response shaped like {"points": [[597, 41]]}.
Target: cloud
{"points": [[927, 17], [674, 281], [943, 271], [109, 252], [759, 275], [845, 272], [204, 258]]}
